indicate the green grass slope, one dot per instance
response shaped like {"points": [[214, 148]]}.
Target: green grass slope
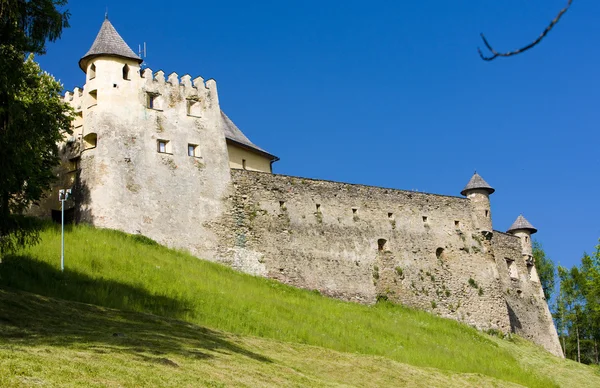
{"points": [[114, 270]]}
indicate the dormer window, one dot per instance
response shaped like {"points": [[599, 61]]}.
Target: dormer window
{"points": [[126, 72], [92, 71]]}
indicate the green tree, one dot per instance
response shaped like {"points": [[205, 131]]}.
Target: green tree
{"points": [[577, 311], [32, 116], [545, 269]]}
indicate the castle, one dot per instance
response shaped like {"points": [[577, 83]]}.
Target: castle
{"points": [[155, 155]]}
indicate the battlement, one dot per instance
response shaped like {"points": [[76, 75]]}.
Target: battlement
{"points": [[196, 89], [75, 98]]}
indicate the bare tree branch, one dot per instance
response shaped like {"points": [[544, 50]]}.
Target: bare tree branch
{"points": [[530, 45]]}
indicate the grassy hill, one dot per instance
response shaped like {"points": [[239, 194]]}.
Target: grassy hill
{"points": [[213, 326]]}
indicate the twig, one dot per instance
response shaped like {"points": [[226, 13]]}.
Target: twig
{"points": [[532, 44]]}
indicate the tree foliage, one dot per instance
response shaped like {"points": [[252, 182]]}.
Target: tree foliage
{"points": [[32, 116], [577, 310], [545, 269]]}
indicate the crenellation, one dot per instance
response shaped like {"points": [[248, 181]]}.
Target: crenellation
{"points": [[198, 83], [159, 77], [173, 79]]}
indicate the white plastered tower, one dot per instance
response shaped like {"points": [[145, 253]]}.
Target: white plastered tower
{"points": [[154, 158]]}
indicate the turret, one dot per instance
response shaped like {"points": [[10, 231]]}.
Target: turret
{"points": [[112, 70], [523, 229], [478, 191]]}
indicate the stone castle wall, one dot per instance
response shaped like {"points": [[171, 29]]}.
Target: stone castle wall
{"points": [[357, 243], [360, 243], [527, 307]]}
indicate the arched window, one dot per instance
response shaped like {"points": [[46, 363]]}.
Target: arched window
{"points": [[440, 254], [93, 71], [381, 244], [126, 72]]}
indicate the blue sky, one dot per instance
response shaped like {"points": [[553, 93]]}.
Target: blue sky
{"points": [[393, 93]]}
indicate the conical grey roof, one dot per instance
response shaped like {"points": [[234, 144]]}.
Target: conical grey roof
{"points": [[477, 182], [108, 43], [523, 224]]}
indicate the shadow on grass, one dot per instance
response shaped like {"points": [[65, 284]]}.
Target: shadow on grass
{"points": [[33, 320]]}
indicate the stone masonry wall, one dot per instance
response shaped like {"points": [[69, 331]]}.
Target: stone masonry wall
{"points": [[527, 307], [358, 243]]}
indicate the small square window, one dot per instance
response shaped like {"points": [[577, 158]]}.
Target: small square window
{"points": [[152, 101], [163, 146], [192, 150]]}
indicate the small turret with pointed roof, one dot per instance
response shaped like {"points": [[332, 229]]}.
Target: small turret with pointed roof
{"points": [[521, 223], [477, 183], [523, 229], [108, 43], [478, 191]]}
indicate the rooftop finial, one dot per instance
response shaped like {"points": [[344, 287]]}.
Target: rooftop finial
{"points": [[106, 14]]}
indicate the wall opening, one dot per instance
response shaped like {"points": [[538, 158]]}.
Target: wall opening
{"points": [[512, 268], [194, 108], [163, 146], [526, 239], [92, 71], [126, 72], [93, 98], [153, 101], [354, 210], [487, 213], [457, 224], [532, 272], [440, 253], [424, 218], [390, 215], [90, 141], [282, 204], [381, 244], [318, 206], [193, 150], [244, 164]]}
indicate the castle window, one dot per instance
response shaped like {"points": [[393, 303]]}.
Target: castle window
{"points": [[390, 215], [354, 210], [512, 268], [282, 204], [92, 71], [90, 141], [153, 101], [126, 72], [424, 218], [440, 254], [244, 164], [532, 273], [194, 108], [457, 224], [192, 150], [93, 98], [487, 213], [163, 146], [381, 244], [318, 208], [526, 239]]}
